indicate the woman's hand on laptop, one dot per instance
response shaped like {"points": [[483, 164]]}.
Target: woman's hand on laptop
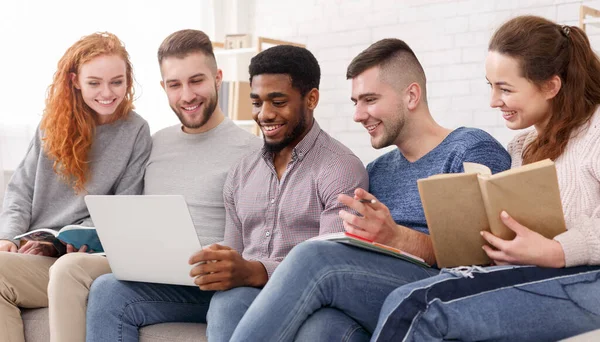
{"points": [[8, 246], [219, 268]]}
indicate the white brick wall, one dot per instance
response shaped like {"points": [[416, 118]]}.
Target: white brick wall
{"points": [[449, 37]]}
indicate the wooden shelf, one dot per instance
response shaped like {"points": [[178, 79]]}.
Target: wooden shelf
{"points": [[588, 16], [225, 52], [234, 63]]}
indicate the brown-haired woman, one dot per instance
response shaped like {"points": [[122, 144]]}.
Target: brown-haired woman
{"points": [[546, 76], [90, 141]]}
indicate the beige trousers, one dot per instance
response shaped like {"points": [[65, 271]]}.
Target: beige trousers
{"points": [[62, 285]]}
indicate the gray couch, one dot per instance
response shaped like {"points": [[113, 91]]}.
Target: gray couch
{"points": [[37, 329]]}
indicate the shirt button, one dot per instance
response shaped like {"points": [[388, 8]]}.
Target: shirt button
{"points": [[267, 234], [272, 200]]}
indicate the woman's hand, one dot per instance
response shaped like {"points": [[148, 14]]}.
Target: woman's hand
{"points": [[8, 246], [83, 249], [38, 248], [527, 248]]}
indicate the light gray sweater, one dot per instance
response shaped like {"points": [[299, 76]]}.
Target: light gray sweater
{"points": [[578, 171], [196, 166], [36, 197]]}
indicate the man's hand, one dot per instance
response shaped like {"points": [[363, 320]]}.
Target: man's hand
{"points": [[223, 268], [8, 246], [527, 248], [38, 248], [376, 223]]}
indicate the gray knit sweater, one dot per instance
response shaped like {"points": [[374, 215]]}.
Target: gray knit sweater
{"points": [[36, 197], [196, 166]]}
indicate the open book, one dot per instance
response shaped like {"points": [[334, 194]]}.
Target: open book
{"points": [[71, 234], [458, 206], [351, 239]]}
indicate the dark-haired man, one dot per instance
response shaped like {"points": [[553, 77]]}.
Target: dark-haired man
{"points": [[281, 196], [274, 199], [389, 91]]}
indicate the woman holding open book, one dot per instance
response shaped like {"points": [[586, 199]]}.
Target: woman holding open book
{"points": [[90, 141], [545, 76]]}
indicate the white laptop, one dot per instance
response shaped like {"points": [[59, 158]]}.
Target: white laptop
{"points": [[146, 238]]}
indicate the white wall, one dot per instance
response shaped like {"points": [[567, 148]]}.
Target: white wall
{"points": [[449, 37], [35, 34]]}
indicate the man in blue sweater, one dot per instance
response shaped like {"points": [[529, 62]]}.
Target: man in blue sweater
{"points": [[346, 284]]}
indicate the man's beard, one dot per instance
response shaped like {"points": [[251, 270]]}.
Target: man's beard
{"points": [[392, 131], [275, 147], [207, 113]]}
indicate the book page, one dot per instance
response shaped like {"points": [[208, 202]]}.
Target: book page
{"points": [[42, 234], [525, 168], [477, 168], [357, 241], [328, 237], [75, 227]]}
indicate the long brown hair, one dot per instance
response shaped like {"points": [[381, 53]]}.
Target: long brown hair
{"points": [[543, 50], [68, 124]]}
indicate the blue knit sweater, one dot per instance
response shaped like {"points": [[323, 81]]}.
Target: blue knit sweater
{"points": [[393, 179]]}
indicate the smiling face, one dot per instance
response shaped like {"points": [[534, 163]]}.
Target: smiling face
{"points": [[379, 108], [191, 86], [523, 104], [103, 84], [283, 115]]}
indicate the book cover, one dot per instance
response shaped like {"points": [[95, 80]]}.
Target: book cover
{"points": [[458, 206]]}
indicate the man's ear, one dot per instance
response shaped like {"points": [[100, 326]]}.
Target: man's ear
{"points": [[162, 84], [219, 79], [552, 87], [74, 80], [413, 95], [312, 98]]}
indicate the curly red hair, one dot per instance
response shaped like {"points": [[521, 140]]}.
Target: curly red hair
{"points": [[68, 124]]}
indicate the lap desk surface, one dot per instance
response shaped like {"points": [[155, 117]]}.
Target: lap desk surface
{"points": [[146, 238]]}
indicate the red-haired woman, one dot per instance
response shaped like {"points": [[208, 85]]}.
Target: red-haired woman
{"points": [[545, 76], [90, 141]]}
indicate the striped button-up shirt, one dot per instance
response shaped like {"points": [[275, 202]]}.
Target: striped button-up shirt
{"points": [[267, 216]]}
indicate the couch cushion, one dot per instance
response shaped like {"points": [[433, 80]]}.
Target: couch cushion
{"points": [[37, 330], [36, 326], [178, 332]]}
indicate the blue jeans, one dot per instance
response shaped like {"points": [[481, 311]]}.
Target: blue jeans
{"points": [[117, 309], [321, 274], [228, 307], [507, 303], [226, 310]]}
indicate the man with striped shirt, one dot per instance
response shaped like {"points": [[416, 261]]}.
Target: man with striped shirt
{"points": [[282, 195]]}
